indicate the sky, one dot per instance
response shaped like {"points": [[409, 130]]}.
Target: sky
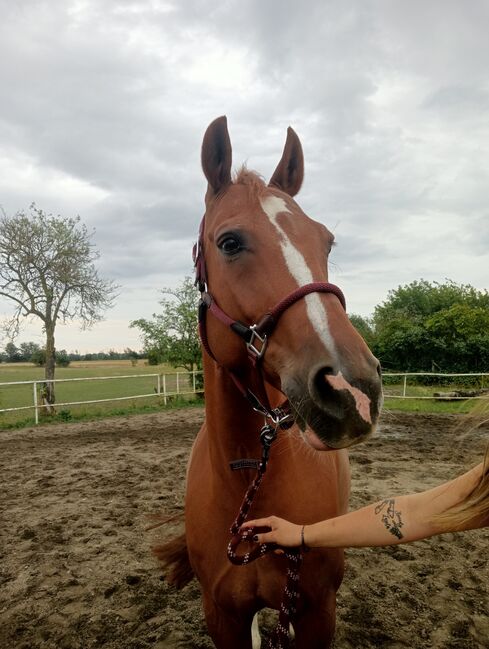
{"points": [[104, 106]]}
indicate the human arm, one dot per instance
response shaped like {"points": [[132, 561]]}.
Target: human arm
{"points": [[387, 522]]}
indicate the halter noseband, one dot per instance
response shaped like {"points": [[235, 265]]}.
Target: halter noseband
{"points": [[256, 335]]}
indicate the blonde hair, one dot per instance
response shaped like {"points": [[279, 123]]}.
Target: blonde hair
{"points": [[474, 509]]}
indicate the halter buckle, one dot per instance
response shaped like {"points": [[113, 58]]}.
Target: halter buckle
{"points": [[268, 435], [256, 352], [282, 418]]}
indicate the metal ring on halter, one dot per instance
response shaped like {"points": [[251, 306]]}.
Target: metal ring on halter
{"points": [[281, 417], [278, 416], [253, 350]]}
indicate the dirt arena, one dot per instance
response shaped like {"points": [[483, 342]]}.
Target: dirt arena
{"points": [[76, 570]]}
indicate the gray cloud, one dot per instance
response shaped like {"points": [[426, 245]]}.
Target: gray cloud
{"points": [[105, 105]]}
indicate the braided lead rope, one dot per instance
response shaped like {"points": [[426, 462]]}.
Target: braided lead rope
{"points": [[280, 636]]}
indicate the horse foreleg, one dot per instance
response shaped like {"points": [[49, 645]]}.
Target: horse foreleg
{"points": [[228, 629], [315, 626]]}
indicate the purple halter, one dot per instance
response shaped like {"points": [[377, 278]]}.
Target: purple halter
{"points": [[250, 333]]}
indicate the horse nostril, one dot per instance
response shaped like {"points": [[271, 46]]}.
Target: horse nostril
{"points": [[321, 383], [325, 394], [379, 370]]}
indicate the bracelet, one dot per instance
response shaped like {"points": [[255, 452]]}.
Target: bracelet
{"points": [[304, 547]]}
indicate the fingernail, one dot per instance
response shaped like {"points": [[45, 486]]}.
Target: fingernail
{"points": [[255, 538]]}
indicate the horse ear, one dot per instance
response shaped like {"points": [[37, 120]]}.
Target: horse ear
{"points": [[217, 155], [289, 174]]}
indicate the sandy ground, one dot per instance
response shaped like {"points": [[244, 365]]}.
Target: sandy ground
{"points": [[76, 570]]}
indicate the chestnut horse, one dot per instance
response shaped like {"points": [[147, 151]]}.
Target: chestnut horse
{"points": [[257, 247]]}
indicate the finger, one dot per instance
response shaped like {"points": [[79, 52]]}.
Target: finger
{"points": [[259, 522], [268, 537]]}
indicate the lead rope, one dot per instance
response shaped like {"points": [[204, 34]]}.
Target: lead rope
{"points": [[280, 636]]}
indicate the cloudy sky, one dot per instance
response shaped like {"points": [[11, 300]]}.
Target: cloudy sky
{"points": [[104, 105]]}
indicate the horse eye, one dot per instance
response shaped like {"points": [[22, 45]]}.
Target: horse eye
{"points": [[230, 246]]}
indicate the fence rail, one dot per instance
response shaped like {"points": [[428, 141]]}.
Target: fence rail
{"points": [[174, 384], [165, 386], [440, 396]]}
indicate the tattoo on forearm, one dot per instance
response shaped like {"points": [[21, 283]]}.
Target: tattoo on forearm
{"points": [[390, 517]]}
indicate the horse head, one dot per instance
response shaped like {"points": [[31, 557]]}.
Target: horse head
{"points": [[257, 247]]}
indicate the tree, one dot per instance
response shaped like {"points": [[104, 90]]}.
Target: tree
{"points": [[132, 355], [28, 349], [12, 353], [172, 336], [47, 270], [423, 325], [39, 358], [62, 358], [364, 327]]}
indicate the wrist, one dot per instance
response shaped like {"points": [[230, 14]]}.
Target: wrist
{"points": [[304, 546]]}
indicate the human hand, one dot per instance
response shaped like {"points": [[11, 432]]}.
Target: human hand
{"points": [[281, 531]]}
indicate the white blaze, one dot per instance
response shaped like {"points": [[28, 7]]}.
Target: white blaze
{"points": [[300, 271]]}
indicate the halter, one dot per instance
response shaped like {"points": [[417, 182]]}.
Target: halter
{"points": [[255, 337]]}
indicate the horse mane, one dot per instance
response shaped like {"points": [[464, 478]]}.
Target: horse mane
{"points": [[251, 179]]}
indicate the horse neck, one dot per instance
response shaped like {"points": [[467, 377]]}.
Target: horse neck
{"points": [[232, 425]]}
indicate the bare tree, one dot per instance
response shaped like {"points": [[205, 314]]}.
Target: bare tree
{"points": [[47, 270]]}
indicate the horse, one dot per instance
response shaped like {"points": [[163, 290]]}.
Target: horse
{"points": [[257, 249]]}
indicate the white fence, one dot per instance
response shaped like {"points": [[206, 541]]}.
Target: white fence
{"points": [[449, 395], [169, 385], [165, 386]]}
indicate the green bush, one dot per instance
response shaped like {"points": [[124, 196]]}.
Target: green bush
{"points": [[38, 357], [62, 358], [65, 415]]}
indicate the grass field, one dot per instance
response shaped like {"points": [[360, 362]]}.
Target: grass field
{"points": [[78, 369], [420, 397], [141, 380]]}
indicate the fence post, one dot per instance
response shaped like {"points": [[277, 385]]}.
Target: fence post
{"points": [[178, 382], [194, 382], [164, 389], [159, 384], [404, 387], [36, 412]]}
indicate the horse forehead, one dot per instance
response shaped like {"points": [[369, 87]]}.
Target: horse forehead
{"points": [[238, 199], [303, 272], [273, 206], [280, 216], [289, 220], [259, 209], [235, 202]]}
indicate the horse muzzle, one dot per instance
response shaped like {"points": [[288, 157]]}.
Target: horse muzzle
{"points": [[340, 411]]}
